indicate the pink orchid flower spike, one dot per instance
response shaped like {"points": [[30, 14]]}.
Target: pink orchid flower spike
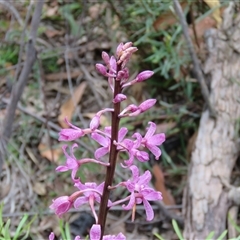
{"points": [[152, 141]]}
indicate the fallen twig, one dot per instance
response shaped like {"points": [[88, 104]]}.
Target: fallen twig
{"points": [[197, 68]]}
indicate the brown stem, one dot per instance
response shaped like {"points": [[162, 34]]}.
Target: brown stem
{"points": [[112, 160]]}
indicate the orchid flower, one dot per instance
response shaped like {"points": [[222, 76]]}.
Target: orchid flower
{"points": [[152, 141]]}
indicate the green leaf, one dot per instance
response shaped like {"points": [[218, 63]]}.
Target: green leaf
{"points": [[20, 226], [210, 236], [222, 235], [158, 236], [67, 231], [177, 230]]}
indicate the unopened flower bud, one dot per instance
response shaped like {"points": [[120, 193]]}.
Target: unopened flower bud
{"points": [[130, 108], [101, 69], [105, 58], [61, 205], [119, 98], [123, 75], [95, 122], [119, 50], [144, 106], [126, 46], [144, 75], [112, 65]]}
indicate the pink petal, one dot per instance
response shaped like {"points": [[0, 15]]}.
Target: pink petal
{"points": [[155, 151], [151, 130], [110, 83], [120, 236], [122, 133], [108, 130], [149, 210], [128, 162], [157, 139], [92, 185], [74, 172], [142, 156], [80, 201], [62, 169], [138, 140], [95, 232], [131, 202], [145, 178], [151, 195], [80, 186], [100, 187], [135, 172], [128, 144], [100, 139], [100, 152]]}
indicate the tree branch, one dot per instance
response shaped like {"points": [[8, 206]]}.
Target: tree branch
{"points": [[22, 80], [197, 68]]}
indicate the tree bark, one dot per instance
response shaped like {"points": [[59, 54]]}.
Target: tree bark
{"points": [[216, 148]]}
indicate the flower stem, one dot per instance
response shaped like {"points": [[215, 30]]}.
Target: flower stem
{"points": [[112, 160]]}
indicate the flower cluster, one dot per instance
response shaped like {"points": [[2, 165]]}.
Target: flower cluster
{"points": [[112, 141]]}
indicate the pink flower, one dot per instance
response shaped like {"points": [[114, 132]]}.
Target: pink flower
{"points": [[132, 149], [140, 192], [73, 164], [61, 205], [73, 133], [105, 141], [95, 234], [152, 141], [91, 193]]}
